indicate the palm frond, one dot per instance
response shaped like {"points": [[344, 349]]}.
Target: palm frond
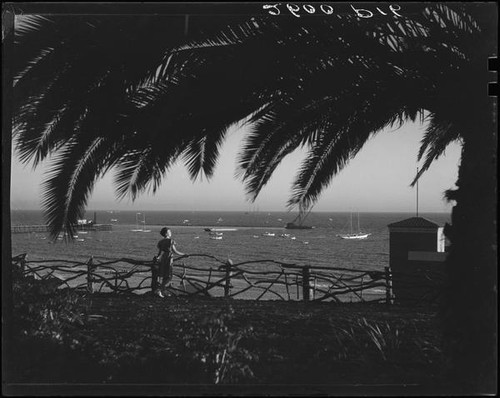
{"points": [[155, 89], [343, 137], [438, 135], [70, 181]]}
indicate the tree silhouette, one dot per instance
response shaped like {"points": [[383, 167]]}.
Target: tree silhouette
{"points": [[135, 94]]}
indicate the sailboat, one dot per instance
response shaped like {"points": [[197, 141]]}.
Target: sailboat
{"points": [[137, 229], [144, 224], [358, 235], [139, 221]]}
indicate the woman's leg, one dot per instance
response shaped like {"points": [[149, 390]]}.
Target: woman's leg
{"points": [[167, 275], [162, 275]]}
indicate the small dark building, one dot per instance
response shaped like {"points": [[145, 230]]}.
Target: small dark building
{"points": [[416, 258]]}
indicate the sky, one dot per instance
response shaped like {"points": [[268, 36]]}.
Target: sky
{"points": [[376, 180]]}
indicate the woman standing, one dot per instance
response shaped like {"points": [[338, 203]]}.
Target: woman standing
{"points": [[166, 248]]}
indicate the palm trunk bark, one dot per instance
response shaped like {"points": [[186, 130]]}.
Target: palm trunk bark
{"points": [[7, 299], [470, 311]]}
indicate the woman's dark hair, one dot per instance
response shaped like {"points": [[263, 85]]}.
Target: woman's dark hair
{"points": [[163, 231]]}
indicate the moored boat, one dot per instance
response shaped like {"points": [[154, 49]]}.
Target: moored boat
{"points": [[355, 235]]}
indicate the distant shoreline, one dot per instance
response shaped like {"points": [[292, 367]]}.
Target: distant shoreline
{"points": [[247, 212]]}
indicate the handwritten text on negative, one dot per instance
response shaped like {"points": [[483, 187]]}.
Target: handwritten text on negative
{"points": [[305, 9]]}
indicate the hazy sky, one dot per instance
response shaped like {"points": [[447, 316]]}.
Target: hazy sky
{"points": [[377, 179]]}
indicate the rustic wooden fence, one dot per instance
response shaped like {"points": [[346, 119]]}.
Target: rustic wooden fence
{"points": [[256, 280]]}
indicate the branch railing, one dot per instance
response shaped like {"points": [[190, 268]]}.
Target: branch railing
{"points": [[211, 276]]}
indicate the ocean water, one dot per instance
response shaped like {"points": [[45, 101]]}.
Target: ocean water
{"points": [[316, 247]]}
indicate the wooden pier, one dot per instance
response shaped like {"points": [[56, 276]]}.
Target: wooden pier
{"points": [[19, 229]]}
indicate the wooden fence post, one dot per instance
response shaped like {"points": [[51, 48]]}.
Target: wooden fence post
{"points": [[90, 279], [183, 282], [388, 286], [23, 263], [227, 285], [306, 286]]}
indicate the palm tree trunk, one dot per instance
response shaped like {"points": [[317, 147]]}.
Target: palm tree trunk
{"points": [[7, 299], [470, 311]]}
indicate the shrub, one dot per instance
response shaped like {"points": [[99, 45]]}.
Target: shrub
{"points": [[43, 310], [212, 346], [386, 339], [47, 341]]}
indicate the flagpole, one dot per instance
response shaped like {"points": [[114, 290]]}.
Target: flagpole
{"points": [[186, 24], [417, 191]]}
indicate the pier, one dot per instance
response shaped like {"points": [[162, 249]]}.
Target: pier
{"points": [[19, 229]]}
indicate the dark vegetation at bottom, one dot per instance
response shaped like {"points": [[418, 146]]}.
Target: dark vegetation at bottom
{"points": [[63, 336]]}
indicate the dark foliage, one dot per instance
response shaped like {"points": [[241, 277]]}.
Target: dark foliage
{"points": [[327, 83], [96, 97]]}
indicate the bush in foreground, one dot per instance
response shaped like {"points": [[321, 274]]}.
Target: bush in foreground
{"points": [[209, 341]]}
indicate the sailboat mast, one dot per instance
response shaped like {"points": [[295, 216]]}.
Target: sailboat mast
{"points": [[351, 222], [359, 229]]}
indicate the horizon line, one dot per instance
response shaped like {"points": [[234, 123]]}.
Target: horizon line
{"points": [[246, 211]]}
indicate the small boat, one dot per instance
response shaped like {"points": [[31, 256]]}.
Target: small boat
{"points": [[216, 233], [268, 234], [355, 235], [81, 240], [114, 220], [216, 237], [62, 236], [82, 232]]}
